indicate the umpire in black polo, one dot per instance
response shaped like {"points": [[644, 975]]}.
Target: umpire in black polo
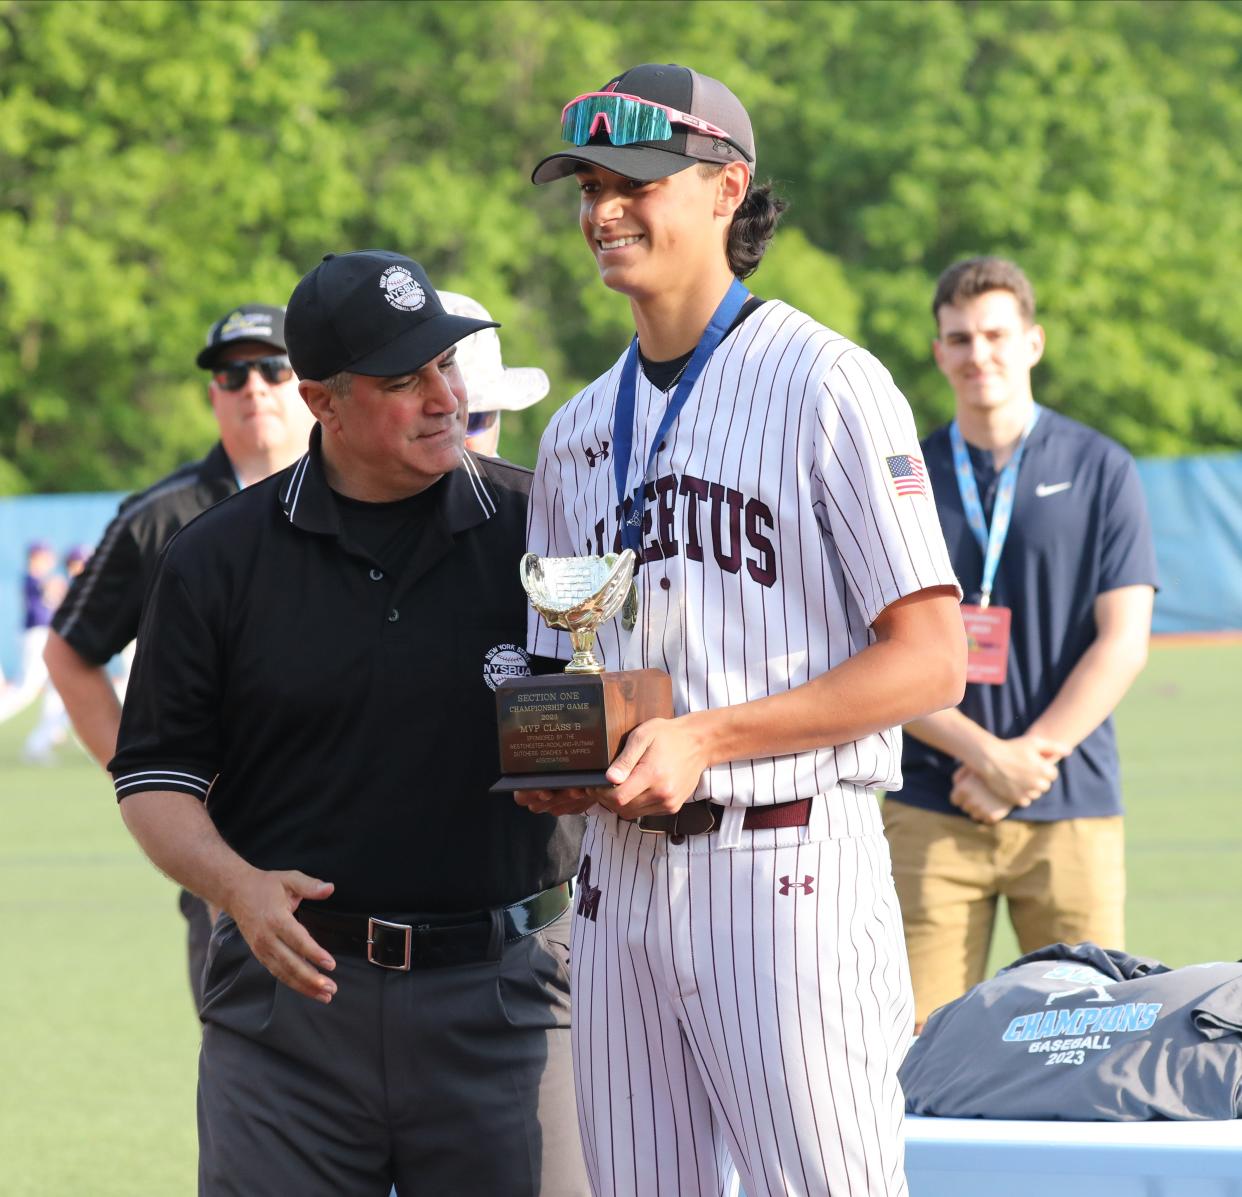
{"points": [[307, 743]]}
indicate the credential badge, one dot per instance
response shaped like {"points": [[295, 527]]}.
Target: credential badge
{"points": [[505, 660], [401, 289]]}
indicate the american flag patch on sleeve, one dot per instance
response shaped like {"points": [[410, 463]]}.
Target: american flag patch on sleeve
{"points": [[908, 474]]}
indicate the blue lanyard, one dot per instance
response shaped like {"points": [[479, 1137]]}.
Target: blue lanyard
{"points": [[623, 415], [990, 540]]}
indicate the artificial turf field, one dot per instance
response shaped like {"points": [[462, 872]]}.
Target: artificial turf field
{"points": [[98, 1044]]}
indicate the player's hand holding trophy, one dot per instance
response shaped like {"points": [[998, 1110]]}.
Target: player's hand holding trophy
{"points": [[564, 729]]}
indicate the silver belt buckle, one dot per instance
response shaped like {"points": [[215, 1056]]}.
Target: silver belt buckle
{"points": [[698, 817], [407, 931]]}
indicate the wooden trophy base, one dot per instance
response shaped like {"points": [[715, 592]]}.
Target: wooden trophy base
{"points": [[563, 730]]}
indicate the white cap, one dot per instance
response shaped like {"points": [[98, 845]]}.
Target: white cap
{"points": [[490, 384]]}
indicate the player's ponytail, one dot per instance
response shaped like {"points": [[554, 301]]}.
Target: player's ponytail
{"points": [[753, 224], [752, 228]]}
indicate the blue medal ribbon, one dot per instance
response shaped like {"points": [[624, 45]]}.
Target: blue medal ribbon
{"points": [[623, 414], [991, 540]]}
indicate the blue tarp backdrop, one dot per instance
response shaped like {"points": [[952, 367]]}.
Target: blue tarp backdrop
{"points": [[1195, 503], [1196, 517], [63, 521]]}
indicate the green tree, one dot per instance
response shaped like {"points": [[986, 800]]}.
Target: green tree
{"points": [[1077, 138], [159, 162]]}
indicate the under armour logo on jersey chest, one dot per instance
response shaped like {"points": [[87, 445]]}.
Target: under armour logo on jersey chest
{"points": [[684, 515], [805, 885]]}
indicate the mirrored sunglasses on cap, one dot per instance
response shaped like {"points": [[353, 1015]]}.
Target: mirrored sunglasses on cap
{"points": [[628, 119], [232, 376]]}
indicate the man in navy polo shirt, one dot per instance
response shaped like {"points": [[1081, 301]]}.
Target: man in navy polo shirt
{"points": [[1017, 791]]}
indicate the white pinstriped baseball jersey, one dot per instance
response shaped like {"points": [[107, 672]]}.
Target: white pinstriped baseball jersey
{"points": [[741, 999], [786, 509]]}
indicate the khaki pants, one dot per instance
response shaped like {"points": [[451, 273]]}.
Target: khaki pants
{"points": [[1064, 882]]}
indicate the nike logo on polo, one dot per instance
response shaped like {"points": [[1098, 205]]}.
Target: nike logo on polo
{"points": [[1044, 489]]}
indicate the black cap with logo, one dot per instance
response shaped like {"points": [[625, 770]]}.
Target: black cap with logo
{"points": [[371, 312], [643, 161], [250, 322]]}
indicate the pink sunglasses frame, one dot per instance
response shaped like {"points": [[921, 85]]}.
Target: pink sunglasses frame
{"points": [[676, 117]]}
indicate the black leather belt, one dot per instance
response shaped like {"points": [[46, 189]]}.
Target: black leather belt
{"points": [[697, 818], [403, 942]]}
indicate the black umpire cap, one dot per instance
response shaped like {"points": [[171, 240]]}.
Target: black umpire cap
{"points": [[250, 322], [370, 312]]}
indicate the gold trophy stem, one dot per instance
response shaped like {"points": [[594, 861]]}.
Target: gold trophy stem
{"points": [[583, 640]]}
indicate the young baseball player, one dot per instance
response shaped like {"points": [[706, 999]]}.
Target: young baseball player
{"points": [[741, 992]]}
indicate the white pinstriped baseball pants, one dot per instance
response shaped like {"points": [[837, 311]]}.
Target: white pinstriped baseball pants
{"points": [[742, 1006]]}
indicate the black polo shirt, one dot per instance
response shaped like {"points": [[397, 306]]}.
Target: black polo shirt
{"points": [[336, 719], [100, 613], [1079, 529]]}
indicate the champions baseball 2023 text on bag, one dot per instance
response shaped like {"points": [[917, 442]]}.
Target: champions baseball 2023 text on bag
{"points": [[1078, 1033]]}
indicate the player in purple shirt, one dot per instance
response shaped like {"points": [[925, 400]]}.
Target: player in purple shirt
{"points": [[40, 594], [52, 729]]}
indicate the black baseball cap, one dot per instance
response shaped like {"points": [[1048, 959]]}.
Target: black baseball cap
{"points": [[677, 87], [250, 322], [370, 312]]}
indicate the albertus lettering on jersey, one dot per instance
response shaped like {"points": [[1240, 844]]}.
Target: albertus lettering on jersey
{"points": [[770, 534], [719, 520]]}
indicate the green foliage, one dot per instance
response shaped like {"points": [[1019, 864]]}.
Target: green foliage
{"points": [[161, 160]]}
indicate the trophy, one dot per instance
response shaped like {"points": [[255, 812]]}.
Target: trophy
{"points": [[564, 729]]}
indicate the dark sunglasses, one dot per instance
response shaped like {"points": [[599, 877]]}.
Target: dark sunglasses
{"points": [[480, 421], [232, 376]]}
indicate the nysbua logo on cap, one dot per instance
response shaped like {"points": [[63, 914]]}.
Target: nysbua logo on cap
{"points": [[401, 289]]}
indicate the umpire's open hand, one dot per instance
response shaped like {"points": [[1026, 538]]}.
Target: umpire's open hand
{"points": [[569, 801], [262, 906]]}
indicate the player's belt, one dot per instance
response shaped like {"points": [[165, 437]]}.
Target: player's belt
{"points": [[405, 942], [698, 818]]}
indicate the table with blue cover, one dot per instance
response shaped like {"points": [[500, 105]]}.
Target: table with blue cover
{"points": [[975, 1157]]}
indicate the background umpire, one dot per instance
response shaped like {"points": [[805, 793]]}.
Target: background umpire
{"points": [[315, 662], [263, 427]]}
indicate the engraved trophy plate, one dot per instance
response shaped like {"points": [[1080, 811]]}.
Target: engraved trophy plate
{"points": [[565, 729]]}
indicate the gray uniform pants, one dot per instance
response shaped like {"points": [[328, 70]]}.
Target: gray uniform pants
{"points": [[197, 936], [438, 1080]]}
